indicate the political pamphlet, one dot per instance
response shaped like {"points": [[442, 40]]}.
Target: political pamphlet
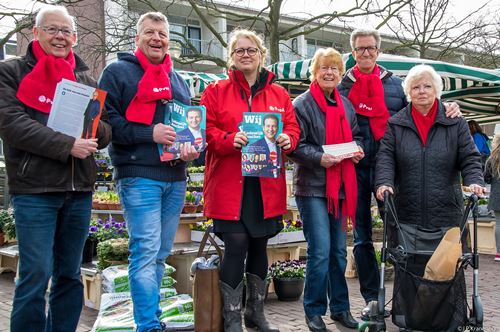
{"points": [[261, 156], [189, 124], [342, 150], [76, 109]]}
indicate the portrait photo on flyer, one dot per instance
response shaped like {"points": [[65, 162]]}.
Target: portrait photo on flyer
{"points": [[76, 109], [189, 124], [261, 156]]}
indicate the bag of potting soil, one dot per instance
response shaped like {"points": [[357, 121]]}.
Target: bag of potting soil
{"points": [[180, 322], [116, 313], [176, 305], [115, 278]]}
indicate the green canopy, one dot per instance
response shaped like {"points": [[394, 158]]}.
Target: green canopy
{"points": [[197, 82], [476, 90]]}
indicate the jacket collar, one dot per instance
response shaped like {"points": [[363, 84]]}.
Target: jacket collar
{"points": [[264, 79], [404, 118], [384, 73], [31, 60]]}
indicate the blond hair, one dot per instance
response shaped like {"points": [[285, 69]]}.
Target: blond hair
{"points": [[239, 33], [494, 159], [329, 55]]}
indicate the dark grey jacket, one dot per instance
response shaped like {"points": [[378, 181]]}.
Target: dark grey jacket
{"points": [[427, 178], [494, 201], [38, 158], [395, 100], [309, 176]]}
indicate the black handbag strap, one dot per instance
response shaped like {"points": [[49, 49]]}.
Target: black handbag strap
{"points": [[209, 238]]}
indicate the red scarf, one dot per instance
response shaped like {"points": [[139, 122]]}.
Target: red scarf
{"points": [[424, 122], [367, 96], [338, 130], [37, 89], [153, 86]]}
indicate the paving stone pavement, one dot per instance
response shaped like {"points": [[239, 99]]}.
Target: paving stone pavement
{"points": [[289, 316]]}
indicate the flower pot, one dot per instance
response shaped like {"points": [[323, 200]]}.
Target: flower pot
{"points": [[89, 251], [199, 208], [288, 289], [189, 208], [2, 239]]}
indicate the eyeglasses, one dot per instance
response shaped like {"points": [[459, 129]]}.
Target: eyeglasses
{"points": [[325, 69], [54, 31], [161, 34], [425, 87], [370, 49], [251, 51]]}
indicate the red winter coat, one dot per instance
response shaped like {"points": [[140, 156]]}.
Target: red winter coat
{"points": [[226, 100]]}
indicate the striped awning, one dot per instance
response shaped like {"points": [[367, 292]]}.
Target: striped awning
{"points": [[476, 90], [197, 82]]}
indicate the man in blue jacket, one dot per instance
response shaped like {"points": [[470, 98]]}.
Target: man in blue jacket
{"points": [[376, 94], [152, 192]]}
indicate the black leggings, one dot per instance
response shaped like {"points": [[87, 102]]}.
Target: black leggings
{"points": [[239, 246]]}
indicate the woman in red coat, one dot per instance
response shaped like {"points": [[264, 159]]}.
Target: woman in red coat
{"points": [[247, 211]]}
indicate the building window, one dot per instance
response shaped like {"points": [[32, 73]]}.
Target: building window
{"points": [[295, 46], [9, 50], [182, 29]]}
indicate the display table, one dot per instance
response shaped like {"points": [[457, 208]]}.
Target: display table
{"points": [[9, 258], [486, 243]]}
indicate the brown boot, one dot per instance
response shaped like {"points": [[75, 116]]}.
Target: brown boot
{"points": [[254, 308], [231, 306]]}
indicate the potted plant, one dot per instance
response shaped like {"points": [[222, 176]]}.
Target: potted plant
{"points": [[196, 173], [7, 225], [189, 203], [199, 228], [112, 252], [101, 230], [389, 269], [292, 232], [288, 279]]}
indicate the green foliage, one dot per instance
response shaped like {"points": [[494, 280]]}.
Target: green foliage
{"points": [[378, 256], [102, 230], [193, 169], [112, 251], [7, 223]]}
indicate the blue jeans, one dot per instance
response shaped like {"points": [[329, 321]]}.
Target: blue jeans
{"points": [[326, 258], [364, 253], [152, 210], [51, 230]]}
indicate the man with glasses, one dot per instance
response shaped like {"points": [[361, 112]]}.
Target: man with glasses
{"points": [[376, 94], [152, 192], [51, 176]]}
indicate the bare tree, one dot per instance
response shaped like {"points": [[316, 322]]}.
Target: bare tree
{"points": [[429, 28]]}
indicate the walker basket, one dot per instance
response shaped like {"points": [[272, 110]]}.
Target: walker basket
{"points": [[427, 305]]}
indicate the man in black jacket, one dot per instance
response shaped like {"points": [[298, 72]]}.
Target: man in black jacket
{"points": [[51, 176]]}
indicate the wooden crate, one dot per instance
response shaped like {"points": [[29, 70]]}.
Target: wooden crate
{"points": [[485, 236], [92, 288], [9, 259], [350, 270]]}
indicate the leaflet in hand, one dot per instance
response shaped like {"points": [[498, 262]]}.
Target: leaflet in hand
{"points": [[189, 124], [76, 109], [261, 156], [342, 150]]}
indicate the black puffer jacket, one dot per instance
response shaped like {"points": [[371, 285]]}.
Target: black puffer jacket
{"points": [[309, 176], [38, 158], [427, 179]]}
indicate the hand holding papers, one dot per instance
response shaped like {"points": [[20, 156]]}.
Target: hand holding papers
{"points": [[343, 150]]}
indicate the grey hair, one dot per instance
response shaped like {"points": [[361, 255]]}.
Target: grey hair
{"points": [[365, 33], [53, 9], [153, 16], [418, 72]]}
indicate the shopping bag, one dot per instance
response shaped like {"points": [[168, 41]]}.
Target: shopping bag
{"points": [[206, 293], [443, 263]]}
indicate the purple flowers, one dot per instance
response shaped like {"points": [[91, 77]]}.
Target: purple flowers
{"points": [[294, 269], [101, 230]]}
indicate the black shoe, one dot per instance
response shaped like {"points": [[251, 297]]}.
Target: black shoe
{"points": [[345, 318], [365, 313], [316, 324]]}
